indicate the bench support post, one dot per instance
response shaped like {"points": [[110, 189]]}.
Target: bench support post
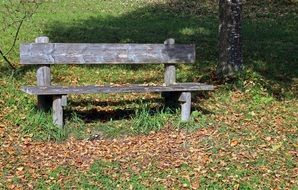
{"points": [[57, 111], [170, 69], [64, 100], [43, 76], [44, 102], [185, 100], [170, 78], [170, 74]]}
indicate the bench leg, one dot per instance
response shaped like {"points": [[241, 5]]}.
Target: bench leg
{"points": [[64, 100], [57, 111], [185, 99]]}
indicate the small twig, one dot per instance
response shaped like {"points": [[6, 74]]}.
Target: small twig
{"points": [[4, 55], [6, 59], [16, 35]]}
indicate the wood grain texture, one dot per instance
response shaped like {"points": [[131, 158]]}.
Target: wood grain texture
{"points": [[185, 99], [57, 111], [64, 100], [43, 75], [82, 53], [63, 90], [170, 74]]}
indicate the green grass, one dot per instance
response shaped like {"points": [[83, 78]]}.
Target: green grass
{"points": [[106, 175], [258, 111]]}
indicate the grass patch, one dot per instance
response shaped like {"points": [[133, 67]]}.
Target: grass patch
{"points": [[107, 175], [146, 120]]}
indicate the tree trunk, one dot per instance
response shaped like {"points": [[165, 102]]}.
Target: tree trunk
{"points": [[230, 42]]}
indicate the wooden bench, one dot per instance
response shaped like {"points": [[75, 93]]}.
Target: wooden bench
{"points": [[44, 54]]}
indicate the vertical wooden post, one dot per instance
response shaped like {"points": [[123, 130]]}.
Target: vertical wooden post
{"points": [[57, 111], [185, 99], [43, 76], [170, 69], [170, 78], [64, 100]]}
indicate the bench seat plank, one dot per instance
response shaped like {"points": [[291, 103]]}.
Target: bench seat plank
{"points": [[88, 53], [63, 90]]}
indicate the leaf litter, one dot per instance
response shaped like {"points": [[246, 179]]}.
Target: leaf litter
{"points": [[23, 157]]}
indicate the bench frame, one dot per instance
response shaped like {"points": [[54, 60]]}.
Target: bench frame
{"points": [[57, 101]]}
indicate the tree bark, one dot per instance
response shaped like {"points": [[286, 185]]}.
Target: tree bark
{"points": [[230, 40]]}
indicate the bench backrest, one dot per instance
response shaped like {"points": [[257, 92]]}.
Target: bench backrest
{"points": [[44, 54], [87, 53]]}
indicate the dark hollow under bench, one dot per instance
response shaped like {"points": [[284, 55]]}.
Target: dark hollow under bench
{"points": [[44, 54]]}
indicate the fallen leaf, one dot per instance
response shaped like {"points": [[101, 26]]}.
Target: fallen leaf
{"points": [[234, 143]]}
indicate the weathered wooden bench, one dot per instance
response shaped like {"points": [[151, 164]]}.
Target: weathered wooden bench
{"points": [[44, 54]]}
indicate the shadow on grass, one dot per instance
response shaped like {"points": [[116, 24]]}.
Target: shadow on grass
{"points": [[100, 103], [270, 45], [152, 24], [106, 115], [105, 111], [92, 115]]}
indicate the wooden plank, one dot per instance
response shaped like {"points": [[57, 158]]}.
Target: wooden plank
{"points": [[185, 98], [57, 111], [83, 53], [43, 77], [63, 90]]}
